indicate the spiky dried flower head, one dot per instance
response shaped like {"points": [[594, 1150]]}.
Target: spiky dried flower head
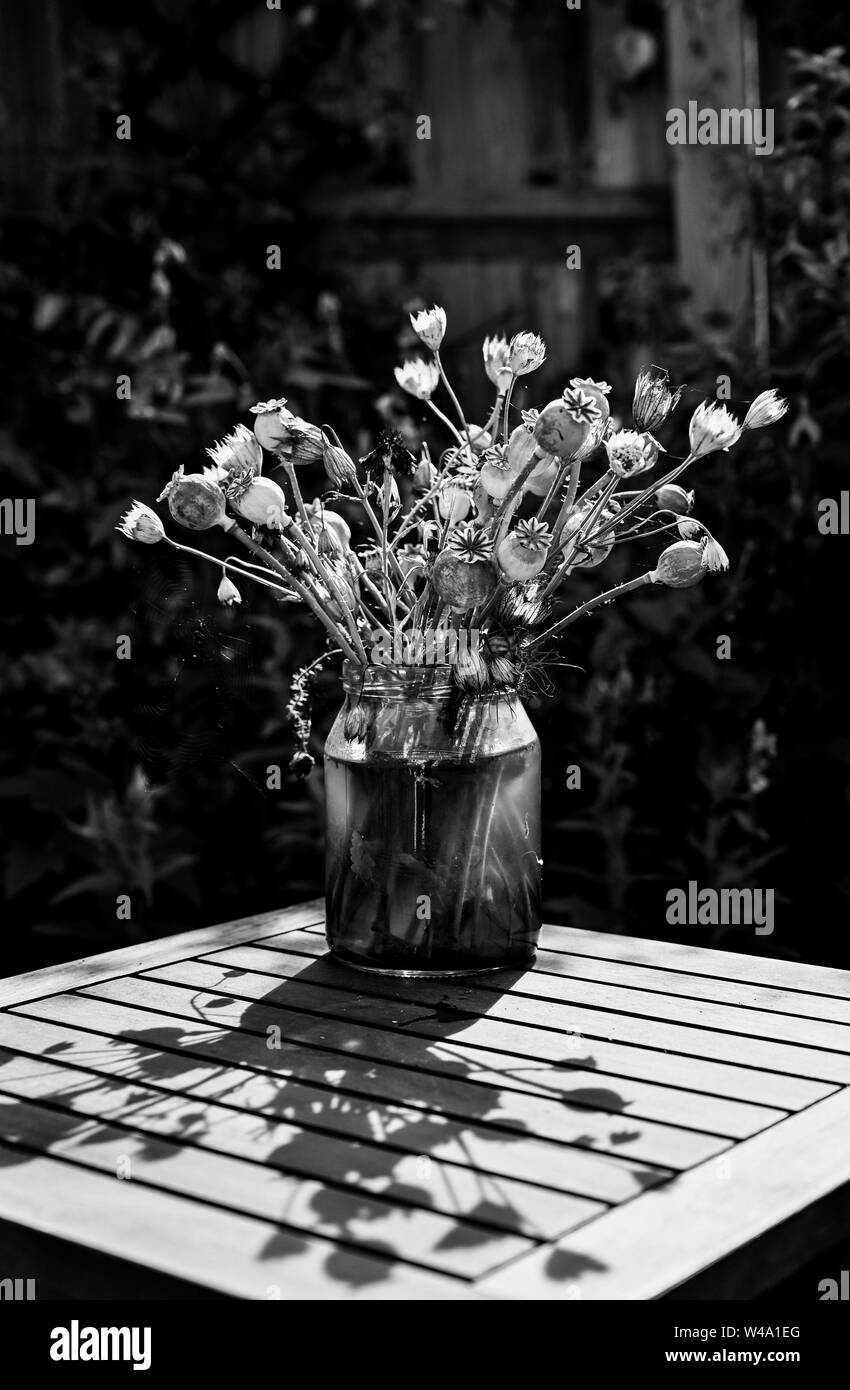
{"points": [[766, 409], [236, 452], [526, 352], [653, 399], [418, 377], [141, 523], [496, 362], [429, 325], [712, 427], [630, 453]]}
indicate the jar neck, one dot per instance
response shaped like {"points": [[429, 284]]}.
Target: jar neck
{"points": [[398, 683]]}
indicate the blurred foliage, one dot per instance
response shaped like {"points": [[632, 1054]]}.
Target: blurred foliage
{"points": [[732, 773], [148, 776]]}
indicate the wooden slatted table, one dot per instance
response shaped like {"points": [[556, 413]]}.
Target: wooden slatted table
{"points": [[231, 1113]]}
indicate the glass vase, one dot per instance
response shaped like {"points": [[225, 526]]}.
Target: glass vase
{"points": [[433, 826]]}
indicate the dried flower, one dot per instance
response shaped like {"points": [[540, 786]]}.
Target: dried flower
{"points": [[141, 523], [227, 592], [581, 406], [195, 502], [533, 534], [390, 452], [521, 606], [497, 477], [236, 453], [339, 465], [454, 502], [388, 496], [522, 553], [543, 477], [680, 566], [323, 519], [630, 453], [262, 502], [419, 378], [356, 722], [564, 425], [470, 670], [425, 474], [479, 439], [520, 448], [411, 558], [462, 583], [714, 557], [429, 325], [672, 498], [590, 553], [328, 544], [470, 543], [712, 427], [304, 442], [766, 409], [496, 364], [270, 425], [653, 399], [526, 353]]}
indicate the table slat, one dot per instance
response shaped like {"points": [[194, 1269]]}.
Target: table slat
{"points": [[491, 1122], [311, 942], [646, 1249], [734, 1015], [521, 1014], [413, 1234], [436, 1074], [334, 1029], [235, 1255]]}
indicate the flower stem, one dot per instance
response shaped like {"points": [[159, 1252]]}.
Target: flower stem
{"points": [[508, 394], [607, 597], [300, 589], [455, 402], [445, 419]]}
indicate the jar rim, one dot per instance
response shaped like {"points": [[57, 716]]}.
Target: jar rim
{"points": [[384, 681]]}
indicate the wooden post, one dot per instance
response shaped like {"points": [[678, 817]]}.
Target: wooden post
{"points": [[706, 43]]}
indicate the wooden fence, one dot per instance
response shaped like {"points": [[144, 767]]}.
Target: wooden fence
{"points": [[544, 129]]}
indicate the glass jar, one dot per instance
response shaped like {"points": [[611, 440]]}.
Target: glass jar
{"points": [[433, 826]]}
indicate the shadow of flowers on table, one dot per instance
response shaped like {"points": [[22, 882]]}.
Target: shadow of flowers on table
{"points": [[371, 1123]]}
